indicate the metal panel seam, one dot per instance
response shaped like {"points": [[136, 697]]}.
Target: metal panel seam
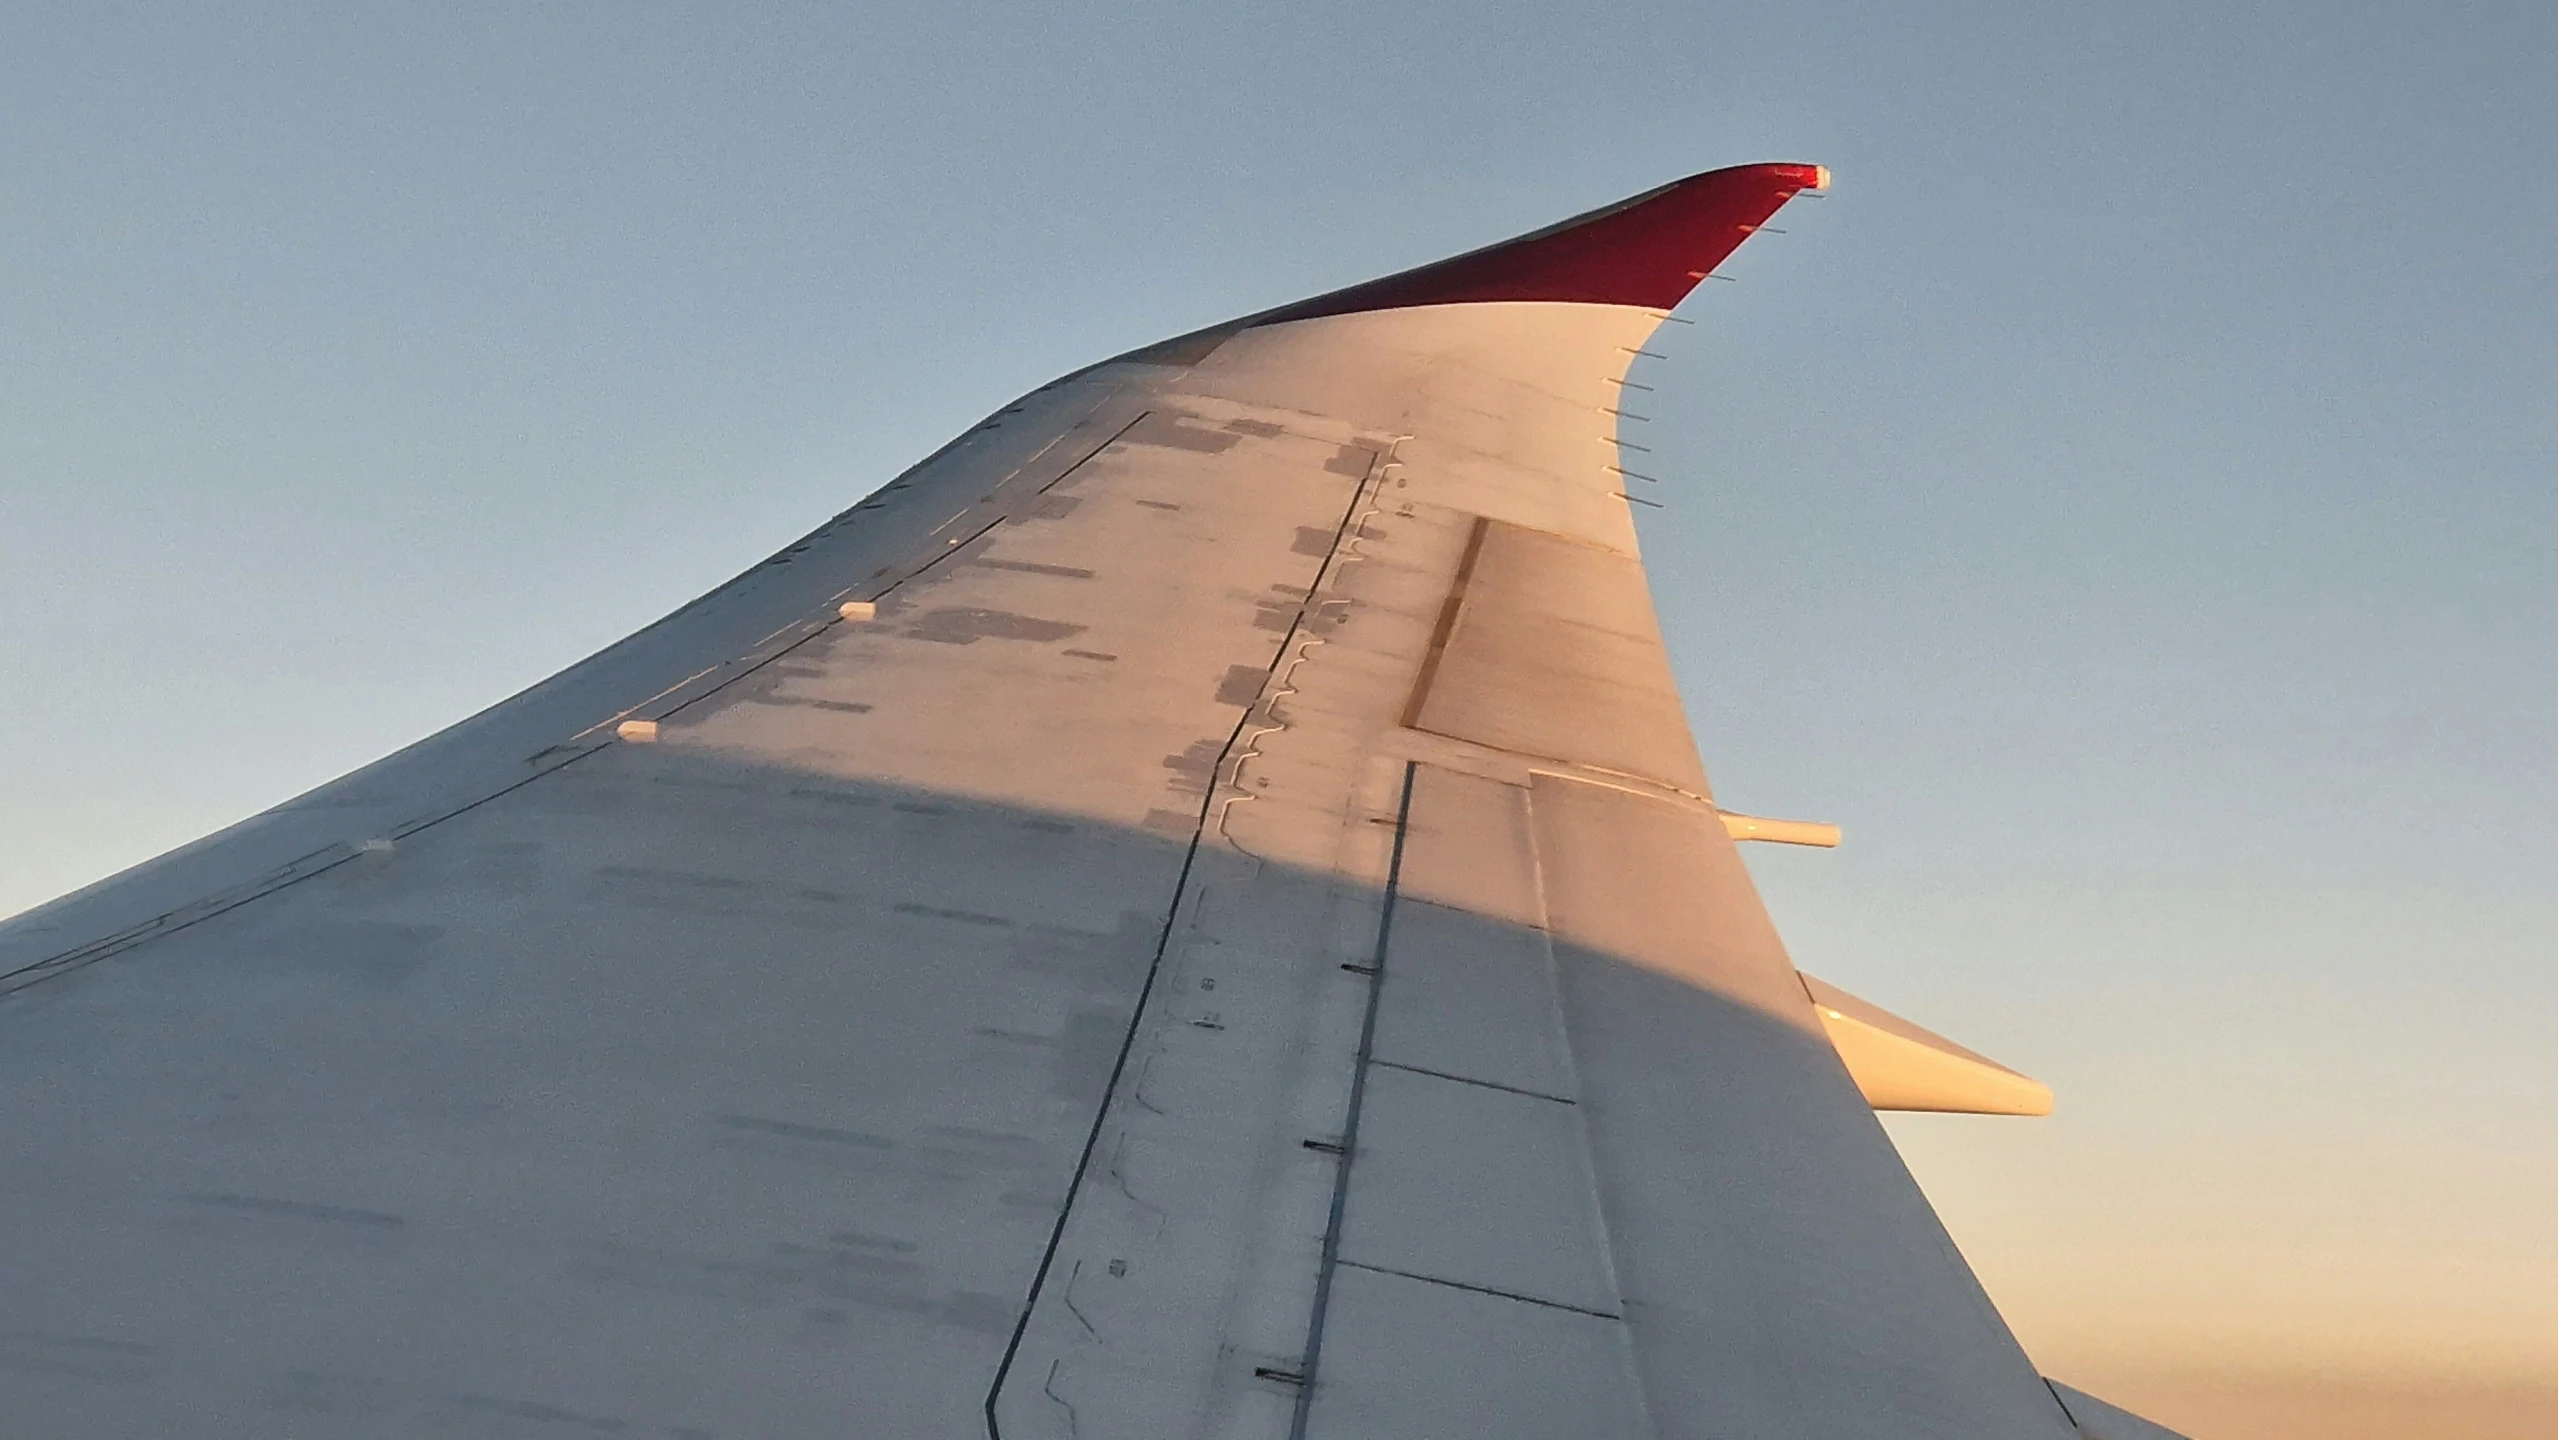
{"points": [[1154, 971], [1580, 1117], [1350, 1123], [282, 877], [1446, 629]]}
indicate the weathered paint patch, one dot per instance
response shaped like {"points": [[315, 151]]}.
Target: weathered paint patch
{"points": [[297, 1210], [843, 707], [1353, 461], [965, 917], [1033, 567], [1192, 768], [1086, 1050], [966, 625], [1167, 432]]}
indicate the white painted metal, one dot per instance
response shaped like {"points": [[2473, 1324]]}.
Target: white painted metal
{"points": [[1243, 885]]}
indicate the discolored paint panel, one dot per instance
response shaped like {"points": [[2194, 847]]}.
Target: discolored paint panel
{"points": [[967, 626], [1550, 648]]}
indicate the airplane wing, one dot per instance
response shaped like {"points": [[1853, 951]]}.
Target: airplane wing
{"points": [[1193, 911]]}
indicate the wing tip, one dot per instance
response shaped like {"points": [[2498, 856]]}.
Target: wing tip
{"points": [[1647, 250]]}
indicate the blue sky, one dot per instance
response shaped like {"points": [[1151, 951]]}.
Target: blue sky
{"points": [[2126, 504]]}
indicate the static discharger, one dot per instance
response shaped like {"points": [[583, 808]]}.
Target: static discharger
{"points": [[637, 732], [1782, 832], [858, 611]]}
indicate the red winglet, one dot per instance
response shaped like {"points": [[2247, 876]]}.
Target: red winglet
{"points": [[1650, 250]]}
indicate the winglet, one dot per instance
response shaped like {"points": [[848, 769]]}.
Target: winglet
{"points": [[1650, 250], [1898, 1066]]}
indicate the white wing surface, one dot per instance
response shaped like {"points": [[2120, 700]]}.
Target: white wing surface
{"points": [[1193, 912]]}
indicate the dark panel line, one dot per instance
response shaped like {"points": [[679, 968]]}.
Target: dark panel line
{"points": [[1447, 626], [947, 551], [822, 626], [1095, 453], [1350, 1123], [2066, 1412], [1163, 943], [1470, 1080], [1033, 567], [153, 928], [1482, 1290], [282, 877]]}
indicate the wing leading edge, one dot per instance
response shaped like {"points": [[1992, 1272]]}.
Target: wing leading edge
{"points": [[1195, 910]]}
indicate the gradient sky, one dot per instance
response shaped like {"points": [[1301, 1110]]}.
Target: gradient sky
{"points": [[2129, 504]]}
